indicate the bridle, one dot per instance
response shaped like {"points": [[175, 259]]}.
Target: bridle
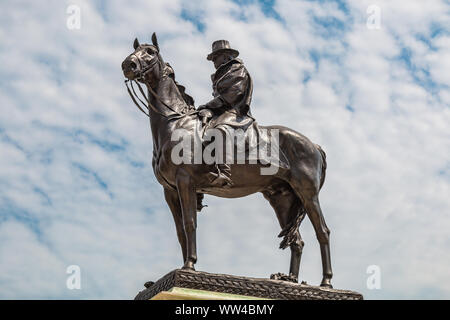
{"points": [[138, 100]]}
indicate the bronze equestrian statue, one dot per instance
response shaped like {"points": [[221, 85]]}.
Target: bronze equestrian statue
{"points": [[293, 191]]}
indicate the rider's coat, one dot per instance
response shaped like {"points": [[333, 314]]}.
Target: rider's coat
{"points": [[233, 88]]}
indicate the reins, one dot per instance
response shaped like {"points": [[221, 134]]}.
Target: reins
{"points": [[134, 99]]}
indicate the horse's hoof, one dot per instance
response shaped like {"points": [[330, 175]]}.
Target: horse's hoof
{"points": [[188, 266], [284, 277], [326, 283]]}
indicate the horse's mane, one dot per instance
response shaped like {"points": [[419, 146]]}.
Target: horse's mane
{"points": [[186, 97]]}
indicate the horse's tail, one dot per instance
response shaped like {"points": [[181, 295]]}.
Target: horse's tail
{"points": [[324, 165], [290, 232]]}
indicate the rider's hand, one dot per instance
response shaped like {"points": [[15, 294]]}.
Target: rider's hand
{"points": [[205, 113]]}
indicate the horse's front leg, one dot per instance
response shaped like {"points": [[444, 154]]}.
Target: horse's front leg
{"points": [[173, 202], [188, 201]]}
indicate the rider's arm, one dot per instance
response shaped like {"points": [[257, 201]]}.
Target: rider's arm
{"points": [[215, 103]]}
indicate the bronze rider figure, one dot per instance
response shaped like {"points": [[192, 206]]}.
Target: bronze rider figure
{"points": [[230, 107]]}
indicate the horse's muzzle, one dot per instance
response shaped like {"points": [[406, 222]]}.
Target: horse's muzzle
{"points": [[130, 67]]}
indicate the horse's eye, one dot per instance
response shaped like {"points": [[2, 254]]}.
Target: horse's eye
{"points": [[150, 51]]}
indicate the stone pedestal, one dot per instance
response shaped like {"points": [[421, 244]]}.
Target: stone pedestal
{"points": [[196, 285]]}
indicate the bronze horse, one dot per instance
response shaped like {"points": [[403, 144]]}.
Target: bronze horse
{"points": [[292, 192]]}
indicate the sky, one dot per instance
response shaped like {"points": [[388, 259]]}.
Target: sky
{"points": [[367, 80]]}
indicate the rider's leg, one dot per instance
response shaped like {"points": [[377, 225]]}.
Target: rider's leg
{"points": [[224, 160], [216, 141]]}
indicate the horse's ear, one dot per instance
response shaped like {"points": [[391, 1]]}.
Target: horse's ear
{"points": [[155, 41], [135, 44]]}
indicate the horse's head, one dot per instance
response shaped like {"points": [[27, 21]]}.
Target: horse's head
{"points": [[145, 63]]}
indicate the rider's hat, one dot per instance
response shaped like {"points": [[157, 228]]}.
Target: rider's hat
{"points": [[222, 46]]}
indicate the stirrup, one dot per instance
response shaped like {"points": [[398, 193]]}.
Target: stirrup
{"points": [[222, 181]]}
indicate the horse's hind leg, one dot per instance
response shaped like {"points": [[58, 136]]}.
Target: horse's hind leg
{"points": [[323, 234], [287, 205], [308, 191]]}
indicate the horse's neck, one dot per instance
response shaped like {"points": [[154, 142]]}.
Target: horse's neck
{"points": [[162, 125], [168, 92]]}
